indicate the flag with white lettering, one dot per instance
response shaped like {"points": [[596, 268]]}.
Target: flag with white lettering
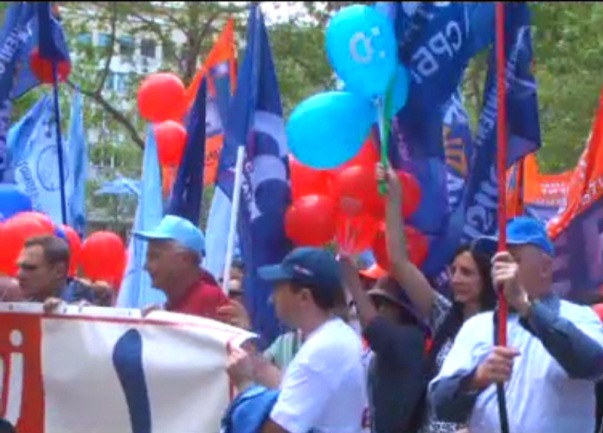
{"points": [[477, 216], [256, 122]]}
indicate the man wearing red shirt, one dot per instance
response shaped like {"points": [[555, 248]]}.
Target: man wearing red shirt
{"points": [[175, 250]]}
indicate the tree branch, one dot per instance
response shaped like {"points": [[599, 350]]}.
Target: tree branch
{"points": [[117, 115], [110, 49]]}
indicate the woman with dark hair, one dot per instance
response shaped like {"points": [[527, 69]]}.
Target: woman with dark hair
{"points": [[471, 285]]}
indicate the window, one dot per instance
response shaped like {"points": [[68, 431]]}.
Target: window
{"points": [[84, 38], [148, 48], [126, 46], [104, 39]]}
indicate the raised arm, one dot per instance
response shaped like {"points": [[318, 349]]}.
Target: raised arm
{"points": [[402, 269]]}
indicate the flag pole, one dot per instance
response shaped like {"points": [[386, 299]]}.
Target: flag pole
{"points": [[57, 116], [501, 132], [234, 214]]}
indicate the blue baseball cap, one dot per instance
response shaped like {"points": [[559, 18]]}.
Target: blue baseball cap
{"points": [[179, 230], [521, 230], [315, 268]]}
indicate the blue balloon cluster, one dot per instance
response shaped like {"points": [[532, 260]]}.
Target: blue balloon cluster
{"points": [[13, 201], [328, 129]]}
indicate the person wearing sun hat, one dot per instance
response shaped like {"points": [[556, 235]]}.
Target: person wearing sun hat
{"points": [[175, 250], [554, 353]]}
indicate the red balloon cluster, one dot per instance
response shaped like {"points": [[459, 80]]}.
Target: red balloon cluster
{"points": [[102, 256], [344, 205], [162, 101]]}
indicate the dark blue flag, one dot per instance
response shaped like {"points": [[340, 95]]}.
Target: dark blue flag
{"points": [[256, 122], [187, 193], [477, 216]]}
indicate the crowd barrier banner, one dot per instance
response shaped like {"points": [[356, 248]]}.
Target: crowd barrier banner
{"points": [[107, 370]]}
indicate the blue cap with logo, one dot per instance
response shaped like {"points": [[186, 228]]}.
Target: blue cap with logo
{"points": [[313, 267], [179, 230], [521, 230]]}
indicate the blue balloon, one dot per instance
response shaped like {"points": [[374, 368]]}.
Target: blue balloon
{"points": [[328, 129], [13, 201], [400, 91], [362, 49]]}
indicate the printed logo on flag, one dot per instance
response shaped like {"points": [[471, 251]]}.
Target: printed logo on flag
{"points": [[47, 168]]}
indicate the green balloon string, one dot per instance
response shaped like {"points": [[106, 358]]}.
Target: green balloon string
{"points": [[384, 128]]}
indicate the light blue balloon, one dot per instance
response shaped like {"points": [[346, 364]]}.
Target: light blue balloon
{"points": [[362, 49], [13, 201], [328, 129], [400, 91]]}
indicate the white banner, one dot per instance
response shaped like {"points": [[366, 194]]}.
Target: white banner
{"points": [[106, 370]]}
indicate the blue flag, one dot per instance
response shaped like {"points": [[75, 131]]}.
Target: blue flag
{"points": [[35, 162], [256, 122], [187, 193], [477, 216], [13, 36], [136, 290], [78, 166]]}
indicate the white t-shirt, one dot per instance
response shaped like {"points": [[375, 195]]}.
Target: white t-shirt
{"points": [[324, 388]]}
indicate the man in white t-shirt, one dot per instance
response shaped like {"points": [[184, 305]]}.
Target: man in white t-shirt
{"points": [[323, 389]]}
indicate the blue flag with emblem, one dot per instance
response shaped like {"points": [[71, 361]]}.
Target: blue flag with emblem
{"points": [[78, 166], [256, 122], [34, 160], [136, 290], [477, 216], [187, 193]]}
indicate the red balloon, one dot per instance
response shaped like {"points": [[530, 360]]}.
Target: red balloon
{"points": [[38, 216], [411, 197], [416, 242], [42, 68], [355, 190], [368, 156], [15, 232], [411, 193], [355, 234], [599, 310], [171, 140], [103, 257], [75, 249], [310, 220], [162, 97], [307, 181]]}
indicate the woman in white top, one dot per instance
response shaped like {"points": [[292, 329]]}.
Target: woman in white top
{"points": [[470, 283]]}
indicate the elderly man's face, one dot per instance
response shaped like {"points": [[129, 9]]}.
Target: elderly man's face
{"points": [[535, 267], [167, 262]]}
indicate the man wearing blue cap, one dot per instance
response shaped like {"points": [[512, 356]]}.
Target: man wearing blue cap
{"points": [[176, 248], [323, 388], [554, 355]]}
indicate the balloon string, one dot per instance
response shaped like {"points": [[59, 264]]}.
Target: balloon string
{"points": [[383, 110]]}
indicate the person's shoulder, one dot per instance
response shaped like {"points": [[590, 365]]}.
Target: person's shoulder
{"points": [[573, 311], [481, 321], [337, 338]]}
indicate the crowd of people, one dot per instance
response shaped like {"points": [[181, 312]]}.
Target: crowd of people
{"points": [[375, 353]]}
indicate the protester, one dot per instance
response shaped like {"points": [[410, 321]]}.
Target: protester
{"points": [[43, 275], [553, 358], [395, 372], [323, 389], [237, 270], [175, 250], [471, 285]]}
